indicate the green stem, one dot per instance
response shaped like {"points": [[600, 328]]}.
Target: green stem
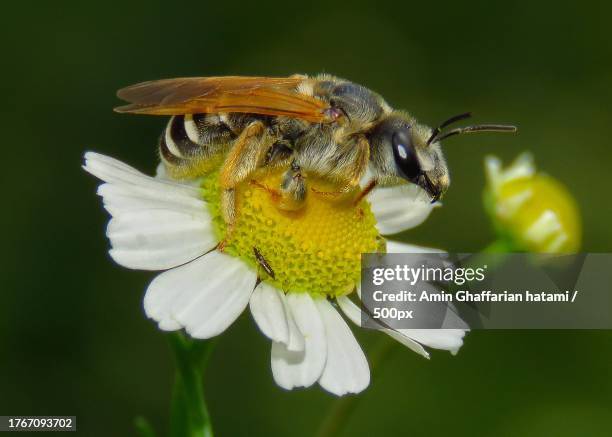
{"points": [[143, 427], [499, 246], [189, 414], [342, 408]]}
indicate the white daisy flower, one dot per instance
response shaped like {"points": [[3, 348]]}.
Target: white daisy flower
{"points": [[159, 224]]}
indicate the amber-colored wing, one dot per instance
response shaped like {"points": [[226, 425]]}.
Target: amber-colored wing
{"points": [[193, 95]]}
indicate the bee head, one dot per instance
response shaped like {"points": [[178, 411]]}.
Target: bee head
{"points": [[401, 148], [400, 151]]}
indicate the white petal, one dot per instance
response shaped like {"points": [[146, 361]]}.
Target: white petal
{"points": [[169, 325], [120, 198], [346, 369], [446, 339], [301, 368], [296, 341], [493, 170], [353, 312], [116, 172], [204, 296], [156, 224], [522, 167], [269, 312], [159, 239], [397, 247], [399, 208], [161, 173]]}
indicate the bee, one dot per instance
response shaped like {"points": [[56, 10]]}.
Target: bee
{"points": [[320, 126]]}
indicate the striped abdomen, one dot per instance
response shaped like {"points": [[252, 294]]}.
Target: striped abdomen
{"points": [[196, 136]]}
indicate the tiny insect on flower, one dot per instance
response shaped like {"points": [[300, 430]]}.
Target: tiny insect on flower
{"points": [[288, 267], [315, 249], [532, 210]]}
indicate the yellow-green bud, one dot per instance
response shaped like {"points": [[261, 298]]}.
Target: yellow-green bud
{"points": [[533, 210]]}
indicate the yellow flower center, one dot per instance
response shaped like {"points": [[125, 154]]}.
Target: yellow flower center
{"points": [[316, 249]]}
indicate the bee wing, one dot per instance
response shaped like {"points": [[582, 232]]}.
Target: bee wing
{"points": [[193, 95]]}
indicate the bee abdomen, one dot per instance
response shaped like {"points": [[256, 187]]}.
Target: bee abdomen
{"points": [[189, 136], [180, 139]]}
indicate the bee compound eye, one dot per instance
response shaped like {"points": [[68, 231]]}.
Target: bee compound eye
{"points": [[405, 156]]}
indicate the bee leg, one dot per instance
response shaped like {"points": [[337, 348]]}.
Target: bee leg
{"points": [[228, 203], [366, 190], [356, 156], [275, 194], [248, 150], [361, 160], [292, 193], [331, 194], [245, 155], [228, 212]]}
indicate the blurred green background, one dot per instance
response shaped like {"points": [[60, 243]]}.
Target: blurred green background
{"points": [[73, 336]]}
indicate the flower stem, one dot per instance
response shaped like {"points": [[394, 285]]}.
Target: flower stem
{"points": [[499, 246], [342, 408], [189, 414], [143, 427]]}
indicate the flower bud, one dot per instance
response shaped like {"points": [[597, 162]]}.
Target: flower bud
{"points": [[531, 210]]}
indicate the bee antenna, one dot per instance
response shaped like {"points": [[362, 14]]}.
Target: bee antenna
{"points": [[451, 120], [479, 128]]}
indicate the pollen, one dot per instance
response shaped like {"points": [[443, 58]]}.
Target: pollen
{"points": [[315, 249]]}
